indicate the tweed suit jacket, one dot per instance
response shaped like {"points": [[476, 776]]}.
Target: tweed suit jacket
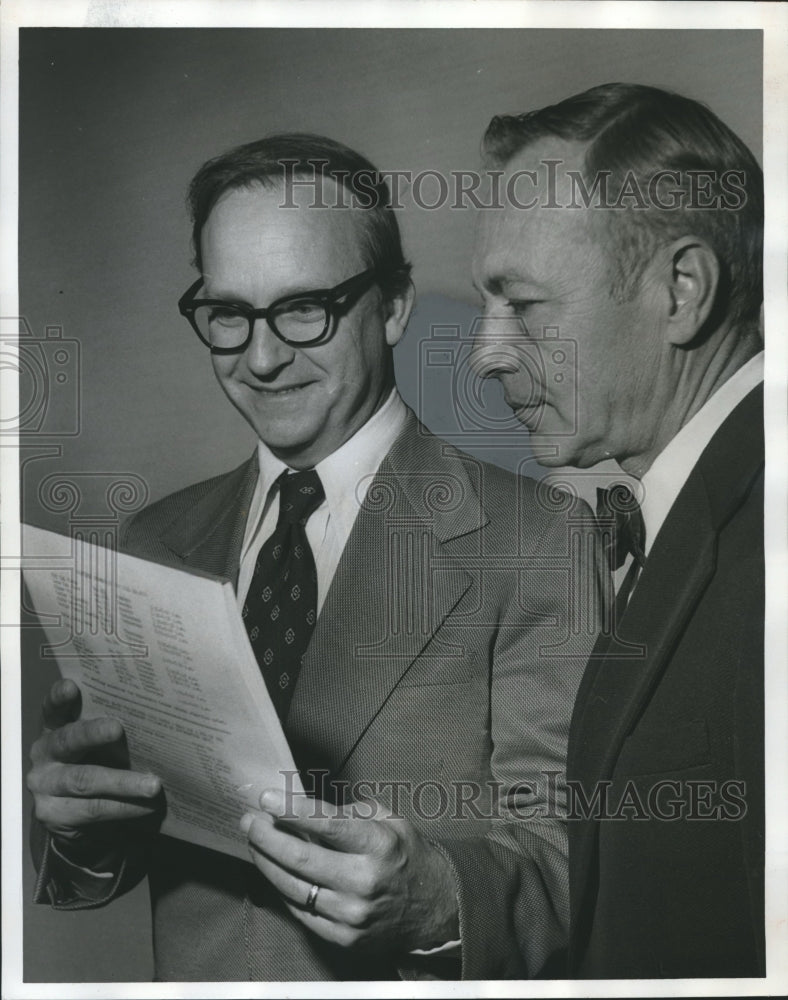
{"points": [[441, 673], [669, 718]]}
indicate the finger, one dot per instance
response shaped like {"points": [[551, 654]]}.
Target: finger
{"points": [[333, 931], [295, 890], [336, 826], [329, 905], [62, 704], [58, 812], [93, 781], [309, 862], [297, 806], [71, 742], [367, 808]]}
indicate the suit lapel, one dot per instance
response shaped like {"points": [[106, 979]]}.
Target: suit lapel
{"points": [[209, 536], [620, 679], [623, 664], [386, 600]]}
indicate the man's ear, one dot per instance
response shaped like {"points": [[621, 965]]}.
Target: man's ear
{"points": [[398, 310], [692, 277]]}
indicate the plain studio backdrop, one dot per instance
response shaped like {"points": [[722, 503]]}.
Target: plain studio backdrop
{"points": [[118, 403]]}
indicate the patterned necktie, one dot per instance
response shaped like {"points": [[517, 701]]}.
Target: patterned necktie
{"points": [[621, 521], [281, 604]]}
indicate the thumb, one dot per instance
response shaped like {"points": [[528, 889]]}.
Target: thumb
{"points": [[62, 704]]}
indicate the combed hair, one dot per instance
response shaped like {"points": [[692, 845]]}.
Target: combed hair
{"points": [[637, 130], [272, 159]]}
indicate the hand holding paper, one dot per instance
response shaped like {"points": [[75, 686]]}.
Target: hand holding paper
{"points": [[80, 774], [380, 884], [161, 661]]}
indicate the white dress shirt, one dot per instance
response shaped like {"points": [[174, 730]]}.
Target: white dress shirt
{"points": [[672, 467], [662, 483], [346, 475]]}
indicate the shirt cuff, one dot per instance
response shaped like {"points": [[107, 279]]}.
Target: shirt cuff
{"points": [[447, 950], [94, 872]]}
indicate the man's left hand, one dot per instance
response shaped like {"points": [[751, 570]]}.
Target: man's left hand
{"points": [[382, 886]]}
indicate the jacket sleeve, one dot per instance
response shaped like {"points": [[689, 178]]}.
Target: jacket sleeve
{"points": [[84, 878], [512, 884], [88, 873]]}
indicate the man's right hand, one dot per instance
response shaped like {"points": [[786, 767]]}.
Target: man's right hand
{"points": [[79, 780]]}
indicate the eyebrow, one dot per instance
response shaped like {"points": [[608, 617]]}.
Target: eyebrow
{"points": [[495, 283], [239, 300]]}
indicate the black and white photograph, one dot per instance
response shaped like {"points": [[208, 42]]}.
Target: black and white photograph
{"points": [[394, 499]]}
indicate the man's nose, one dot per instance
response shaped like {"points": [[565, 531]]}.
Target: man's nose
{"points": [[496, 347], [266, 352]]}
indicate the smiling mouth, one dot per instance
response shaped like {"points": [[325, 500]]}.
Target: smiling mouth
{"points": [[527, 410], [279, 391]]}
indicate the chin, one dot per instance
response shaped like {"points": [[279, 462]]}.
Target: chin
{"points": [[552, 448], [553, 454], [281, 441], [284, 446]]}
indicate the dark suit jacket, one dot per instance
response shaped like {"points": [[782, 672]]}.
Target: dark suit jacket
{"points": [[448, 651], [652, 893]]}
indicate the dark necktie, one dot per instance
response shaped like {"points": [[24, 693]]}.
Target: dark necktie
{"points": [[621, 522], [623, 533], [281, 604]]}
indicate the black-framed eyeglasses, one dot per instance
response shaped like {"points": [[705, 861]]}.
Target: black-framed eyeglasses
{"points": [[302, 320]]}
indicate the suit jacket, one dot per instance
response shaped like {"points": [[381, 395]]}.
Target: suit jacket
{"points": [[667, 880], [446, 659]]}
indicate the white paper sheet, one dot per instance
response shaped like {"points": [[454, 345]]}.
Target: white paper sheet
{"points": [[165, 652]]}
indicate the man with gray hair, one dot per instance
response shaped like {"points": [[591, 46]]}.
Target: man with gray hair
{"points": [[633, 225]]}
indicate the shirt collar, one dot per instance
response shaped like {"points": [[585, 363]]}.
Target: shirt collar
{"points": [[346, 473], [663, 482]]}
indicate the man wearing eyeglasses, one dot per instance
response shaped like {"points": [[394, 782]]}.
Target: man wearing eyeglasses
{"points": [[424, 688]]}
